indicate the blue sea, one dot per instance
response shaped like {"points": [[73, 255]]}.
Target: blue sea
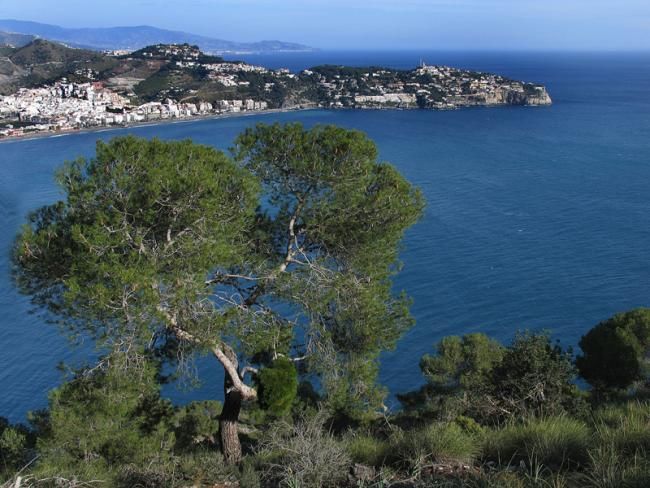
{"points": [[537, 218]]}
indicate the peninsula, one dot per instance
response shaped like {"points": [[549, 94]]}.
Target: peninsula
{"points": [[48, 87]]}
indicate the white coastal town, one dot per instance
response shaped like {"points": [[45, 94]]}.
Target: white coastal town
{"points": [[71, 106]]}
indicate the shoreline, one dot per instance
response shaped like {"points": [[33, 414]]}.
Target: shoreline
{"points": [[248, 113], [198, 118]]}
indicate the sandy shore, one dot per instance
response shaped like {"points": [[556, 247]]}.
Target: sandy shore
{"points": [[50, 134]]}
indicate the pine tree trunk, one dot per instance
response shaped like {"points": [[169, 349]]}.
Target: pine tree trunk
{"points": [[229, 420]]}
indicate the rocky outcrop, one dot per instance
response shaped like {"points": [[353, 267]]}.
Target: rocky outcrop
{"points": [[521, 95], [539, 97], [531, 95]]}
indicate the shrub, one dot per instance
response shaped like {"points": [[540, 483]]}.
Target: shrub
{"points": [[433, 444], [474, 376], [203, 468], [102, 420], [196, 424], [462, 361], [469, 425], [536, 378], [13, 448], [614, 351], [556, 442], [368, 450], [143, 477], [249, 477], [303, 454], [458, 375], [278, 386]]}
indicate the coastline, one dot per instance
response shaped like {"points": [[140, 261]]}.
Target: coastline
{"points": [[87, 130], [248, 113]]}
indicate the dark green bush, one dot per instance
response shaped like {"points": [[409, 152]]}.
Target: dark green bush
{"points": [[98, 423], [278, 386], [13, 448], [614, 352], [475, 377], [535, 377], [197, 424], [458, 377], [462, 362]]}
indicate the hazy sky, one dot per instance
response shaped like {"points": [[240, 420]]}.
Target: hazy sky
{"points": [[380, 24]]}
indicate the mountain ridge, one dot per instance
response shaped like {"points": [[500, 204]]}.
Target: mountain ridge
{"points": [[137, 37]]}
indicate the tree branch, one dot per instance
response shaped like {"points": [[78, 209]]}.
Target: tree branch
{"points": [[248, 369], [289, 254], [246, 391]]}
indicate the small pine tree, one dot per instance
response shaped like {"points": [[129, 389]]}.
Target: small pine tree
{"points": [[614, 352], [103, 419]]}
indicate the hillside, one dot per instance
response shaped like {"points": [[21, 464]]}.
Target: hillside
{"points": [[40, 52], [153, 73], [43, 62], [136, 37], [15, 40]]}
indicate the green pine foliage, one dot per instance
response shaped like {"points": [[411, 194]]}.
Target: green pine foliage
{"points": [[14, 448], [278, 386], [535, 377], [615, 351], [477, 377], [103, 420], [196, 425], [462, 362]]}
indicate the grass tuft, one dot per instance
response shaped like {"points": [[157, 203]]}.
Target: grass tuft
{"points": [[437, 443], [556, 442]]}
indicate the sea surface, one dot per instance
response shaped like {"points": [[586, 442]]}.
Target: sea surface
{"points": [[537, 218]]}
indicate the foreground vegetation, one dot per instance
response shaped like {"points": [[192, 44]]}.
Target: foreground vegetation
{"points": [[109, 427], [277, 261]]}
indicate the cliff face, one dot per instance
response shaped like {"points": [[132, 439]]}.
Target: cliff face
{"points": [[505, 95], [524, 96], [541, 97], [532, 96]]}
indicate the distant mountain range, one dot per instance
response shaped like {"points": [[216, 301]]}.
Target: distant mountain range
{"points": [[19, 33]]}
